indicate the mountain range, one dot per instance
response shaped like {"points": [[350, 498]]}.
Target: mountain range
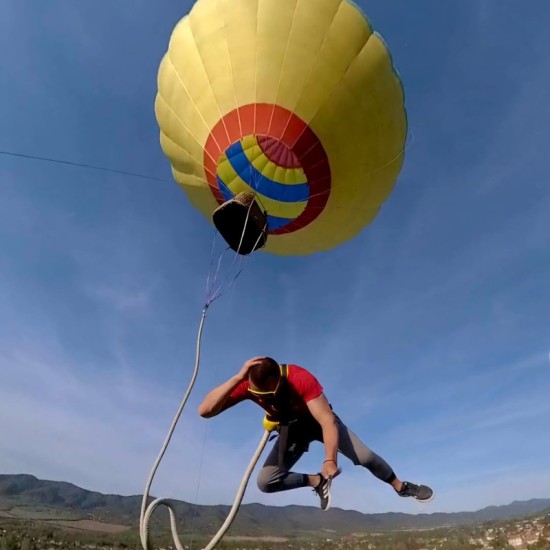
{"points": [[26, 497]]}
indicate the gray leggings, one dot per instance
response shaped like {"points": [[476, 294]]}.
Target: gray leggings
{"points": [[274, 478]]}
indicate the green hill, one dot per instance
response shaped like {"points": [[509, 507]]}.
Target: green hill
{"points": [[23, 496]]}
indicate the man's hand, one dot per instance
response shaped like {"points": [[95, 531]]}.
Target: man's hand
{"points": [[216, 401], [243, 373], [330, 469]]}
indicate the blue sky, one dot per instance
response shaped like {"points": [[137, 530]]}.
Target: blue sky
{"points": [[429, 331]]}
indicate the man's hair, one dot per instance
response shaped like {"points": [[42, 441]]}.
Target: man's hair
{"points": [[264, 372]]}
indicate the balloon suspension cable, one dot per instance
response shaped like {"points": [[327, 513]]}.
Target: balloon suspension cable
{"points": [[212, 295], [255, 184], [256, 197], [83, 165], [147, 510], [229, 280], [214, 289]]}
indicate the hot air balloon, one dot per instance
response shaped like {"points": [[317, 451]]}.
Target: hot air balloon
{"points": [[290, 107]]}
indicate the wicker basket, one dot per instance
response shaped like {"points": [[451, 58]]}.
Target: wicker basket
{"points": [[241, 223]]}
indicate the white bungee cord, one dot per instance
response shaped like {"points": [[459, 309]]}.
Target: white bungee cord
{"points": [[147, 511]]}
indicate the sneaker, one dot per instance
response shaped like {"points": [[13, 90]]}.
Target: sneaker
{"points": [[323, 491], [422, 493]]}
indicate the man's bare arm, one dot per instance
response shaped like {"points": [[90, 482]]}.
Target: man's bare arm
{"points": [[321, 411], [214, 402]]}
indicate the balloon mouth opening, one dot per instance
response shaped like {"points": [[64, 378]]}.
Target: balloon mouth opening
{"points": [[278, 152], [242, 223], [267, 168], [284, 166]]}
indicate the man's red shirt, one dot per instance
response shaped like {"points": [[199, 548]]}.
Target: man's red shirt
{"points": [[302, 388]]}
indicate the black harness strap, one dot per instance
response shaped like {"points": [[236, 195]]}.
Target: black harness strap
{"points": [[284, 415]]}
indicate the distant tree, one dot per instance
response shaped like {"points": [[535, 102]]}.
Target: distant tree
{"points": [[501, 543], [9, 542]]}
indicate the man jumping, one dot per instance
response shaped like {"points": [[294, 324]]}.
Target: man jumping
{"points": [[293, 398]]}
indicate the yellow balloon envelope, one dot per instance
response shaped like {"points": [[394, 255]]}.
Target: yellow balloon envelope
{"points": [[294, 100]]}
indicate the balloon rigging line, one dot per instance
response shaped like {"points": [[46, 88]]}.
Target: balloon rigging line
{"points": [[244, 226], [227, 281], [83, 165], [208, 286], [211, 294], [242, 260], [254, 185], [239, 258]]}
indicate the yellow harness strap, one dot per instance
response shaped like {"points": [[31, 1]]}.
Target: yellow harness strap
{"points": [[268, 424]]}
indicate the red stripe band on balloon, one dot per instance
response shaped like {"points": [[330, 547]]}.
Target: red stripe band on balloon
{"points": [[278, 130]]}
